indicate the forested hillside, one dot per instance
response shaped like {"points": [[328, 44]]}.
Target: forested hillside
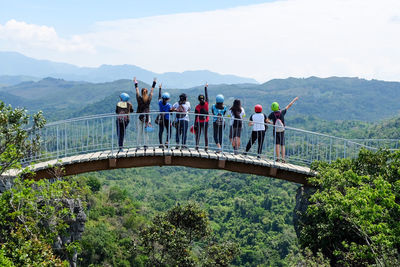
{"points": [[329, 99], [249, 218], [254, 212]]}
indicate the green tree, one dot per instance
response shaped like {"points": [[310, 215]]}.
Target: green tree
{"points": [[4, 261], [35, 217], [354, 214], [176, 237], [111, 233], [94, 183], [18, 138]]}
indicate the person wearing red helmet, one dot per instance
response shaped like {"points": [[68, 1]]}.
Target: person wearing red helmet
{"points": [[258, 121]]}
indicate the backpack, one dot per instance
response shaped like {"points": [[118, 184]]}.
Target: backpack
{"points": [[220, 115], [123, 115], [279, 126]]}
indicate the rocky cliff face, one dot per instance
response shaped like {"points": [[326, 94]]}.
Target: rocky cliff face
{"points": [[302, 196], [76, 227], [76, 223], [5, 184]]}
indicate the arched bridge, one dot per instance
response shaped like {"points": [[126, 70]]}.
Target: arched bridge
{"points": [[90, 143]]}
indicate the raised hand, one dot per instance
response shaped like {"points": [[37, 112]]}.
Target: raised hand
{"points": [[134, 80], [160, 85]]}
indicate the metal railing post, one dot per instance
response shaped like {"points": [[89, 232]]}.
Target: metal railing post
{"points": [[274, 143], [57, 143], [223, 131], [168, 132], [66, 140], [112, 136], [88, 134]]}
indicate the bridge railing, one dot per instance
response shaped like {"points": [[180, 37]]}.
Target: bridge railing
{"points": [[99, 133], [391, 144]]}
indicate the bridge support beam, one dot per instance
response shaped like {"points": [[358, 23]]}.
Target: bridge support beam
{"points": [[273, 171], [172, 160], [167, 160], [112, 163], [221, 163]]}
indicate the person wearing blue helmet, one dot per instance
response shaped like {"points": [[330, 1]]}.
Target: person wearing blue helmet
{"points": [[218, 110], [163, 118], [123, 109]]}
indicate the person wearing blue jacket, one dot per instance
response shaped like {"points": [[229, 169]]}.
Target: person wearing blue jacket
{"points": [[218, 110], [164, 122]]}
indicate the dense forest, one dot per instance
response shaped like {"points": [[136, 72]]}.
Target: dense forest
{"points": [[169, 216], [332, 99]]}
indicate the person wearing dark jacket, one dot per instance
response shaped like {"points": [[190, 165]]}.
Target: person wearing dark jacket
{"points": [[164, 122], [277, 116], [143, 100], [201, 118], [237, 114], [123, 109]]}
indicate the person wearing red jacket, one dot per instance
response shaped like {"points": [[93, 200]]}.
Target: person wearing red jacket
{"points": [[201, 118]]}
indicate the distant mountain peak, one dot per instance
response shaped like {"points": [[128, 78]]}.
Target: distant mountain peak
{"points": [[16, 64]]}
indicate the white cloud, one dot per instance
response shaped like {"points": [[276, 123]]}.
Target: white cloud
{"points": [[19, 34], [296, 38]]}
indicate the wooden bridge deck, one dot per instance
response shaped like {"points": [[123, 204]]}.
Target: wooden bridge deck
{"points": [[129, 158]]}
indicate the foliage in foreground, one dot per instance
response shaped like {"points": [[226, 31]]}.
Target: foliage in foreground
{"points": [[181, 237], [118, 234], [34, 217], [354, 215], [252, 211], [14, 142]]}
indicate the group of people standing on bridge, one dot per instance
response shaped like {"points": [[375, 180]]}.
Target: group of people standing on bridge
{"points": [[181, 109]]}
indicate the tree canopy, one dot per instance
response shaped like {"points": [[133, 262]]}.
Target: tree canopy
{"points": [[353, 217]]}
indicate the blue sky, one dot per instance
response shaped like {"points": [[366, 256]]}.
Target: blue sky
{"points": [[258, 39], [76, 16]]}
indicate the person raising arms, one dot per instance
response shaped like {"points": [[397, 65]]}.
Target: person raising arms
{"points": [[277, 117], [143, 100], [201, 118]]}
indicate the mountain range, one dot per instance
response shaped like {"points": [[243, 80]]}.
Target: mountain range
{"points": [[15, 64], [334, 98]]}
